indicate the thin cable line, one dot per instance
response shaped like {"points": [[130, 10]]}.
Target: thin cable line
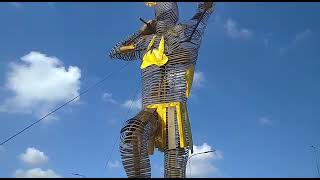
{"points": [[61, 106], [130, 107]]}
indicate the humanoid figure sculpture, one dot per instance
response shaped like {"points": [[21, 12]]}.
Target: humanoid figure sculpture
{"points": [[168, 51]]}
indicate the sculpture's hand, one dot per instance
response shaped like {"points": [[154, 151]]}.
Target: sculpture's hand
{"points": [[127, 49], [207, 5], [148, 28]]}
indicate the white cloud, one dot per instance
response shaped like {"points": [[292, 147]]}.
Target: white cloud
{"points": [[234, 31], [115, 164], [107, 97], [38, 83], [265, 121], [135, 105], [33, 156], [198, 79], [202, 164], [36, 173]]}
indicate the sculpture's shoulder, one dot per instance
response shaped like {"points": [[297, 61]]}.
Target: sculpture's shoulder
{"points": [[179, 28], [178, 38]]}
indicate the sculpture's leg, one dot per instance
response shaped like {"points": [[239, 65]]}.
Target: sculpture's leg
{"points": [[175, 163], [135, 137], [175, 158]]}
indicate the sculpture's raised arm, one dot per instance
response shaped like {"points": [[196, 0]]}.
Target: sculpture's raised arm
{"points": [[130, 49], [199, 21]]}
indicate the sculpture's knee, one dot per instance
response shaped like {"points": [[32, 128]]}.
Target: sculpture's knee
{"points": [[139, 128], [133, 146], [131, 132]]}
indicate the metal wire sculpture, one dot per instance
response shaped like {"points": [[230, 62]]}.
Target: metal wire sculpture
{"points": [[167, 74]]}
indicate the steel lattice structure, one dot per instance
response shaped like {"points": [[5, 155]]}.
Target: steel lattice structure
{"points": [[167, 74]]}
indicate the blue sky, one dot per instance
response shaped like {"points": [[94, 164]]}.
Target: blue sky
{"points": [[255, 99]]}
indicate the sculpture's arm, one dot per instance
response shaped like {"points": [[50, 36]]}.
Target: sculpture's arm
{"points": [[128, 49], [199, 21], [131, 48]]}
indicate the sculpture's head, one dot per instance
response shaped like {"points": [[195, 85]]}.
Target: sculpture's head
{"points": [[167, 15]]}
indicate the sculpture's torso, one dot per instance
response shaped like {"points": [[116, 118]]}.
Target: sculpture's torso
{"points": [[167, 83]]}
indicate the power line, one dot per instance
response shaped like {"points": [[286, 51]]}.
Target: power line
{"points": [[61, 106]]}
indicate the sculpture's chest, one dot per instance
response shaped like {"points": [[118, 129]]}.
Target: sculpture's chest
{"points": [[162, 49], [171, 41]]}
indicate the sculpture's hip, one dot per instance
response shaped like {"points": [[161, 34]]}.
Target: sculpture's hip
{"points": [[174, 131]]}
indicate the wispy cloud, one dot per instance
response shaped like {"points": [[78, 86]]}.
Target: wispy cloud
{"points": [[298, 39], [301, 36], [202, 165], [115, 164], [198, 79], [38, 83], [265, 121], [234, 31], [107, 97], [133, 104]]}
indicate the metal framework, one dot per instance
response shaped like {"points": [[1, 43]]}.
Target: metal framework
{"points": [[168, 53]]}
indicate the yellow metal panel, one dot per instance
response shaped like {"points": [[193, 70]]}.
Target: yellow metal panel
{"points": [[180, 126], [189, 79], [128, 48], [161, 45], [151, 42], [154, 56], [150, 4]]}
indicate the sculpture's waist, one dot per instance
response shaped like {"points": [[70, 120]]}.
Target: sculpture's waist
{"points": [[171, 115]]}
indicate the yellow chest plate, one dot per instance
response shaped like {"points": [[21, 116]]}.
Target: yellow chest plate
{"points": [[154, 56]]}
